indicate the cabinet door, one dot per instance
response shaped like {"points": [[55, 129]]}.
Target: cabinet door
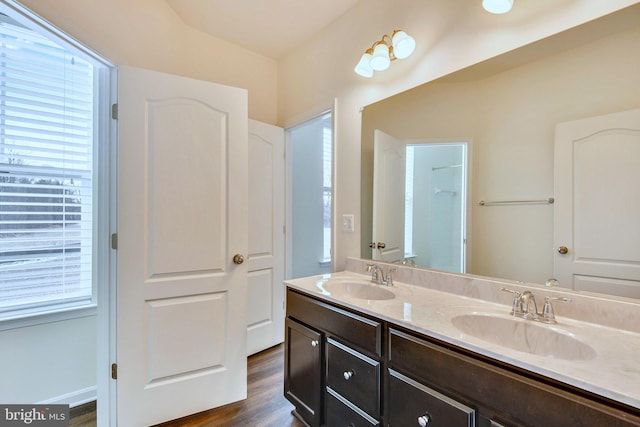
{"points": [[414, 404], [303, 371]]}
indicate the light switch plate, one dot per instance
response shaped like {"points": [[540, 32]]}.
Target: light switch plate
{"points": [[347, 223]]}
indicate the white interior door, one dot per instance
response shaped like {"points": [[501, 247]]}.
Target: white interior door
{"points": [[597, 206], [388, 197], [265, 308], [182, 215]]}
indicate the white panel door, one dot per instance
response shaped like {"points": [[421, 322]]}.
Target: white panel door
{"points": [[388, 197], [597, 204], [265, 308], [182, 215]]}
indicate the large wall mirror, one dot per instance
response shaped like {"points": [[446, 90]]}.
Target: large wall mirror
{"points": [[507, 109]]}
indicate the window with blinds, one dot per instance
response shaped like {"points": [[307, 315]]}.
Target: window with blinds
{"points": [[46, 174]]}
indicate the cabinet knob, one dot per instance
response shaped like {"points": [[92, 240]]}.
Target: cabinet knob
{"points": [[238, 259], [424, 420], [314, 343], [348, 374], [563, 250]]}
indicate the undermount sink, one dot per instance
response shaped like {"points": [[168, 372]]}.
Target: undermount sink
{"points": [[357, 290], [524, 335]]}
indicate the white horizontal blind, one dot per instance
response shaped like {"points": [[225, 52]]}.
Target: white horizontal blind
{"points": [[46, 174]]}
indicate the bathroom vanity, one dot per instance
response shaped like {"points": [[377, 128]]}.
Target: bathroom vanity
{"points": [[357, 356]]}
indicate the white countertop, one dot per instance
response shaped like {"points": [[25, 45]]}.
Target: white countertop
{"points": [[614, 372]]}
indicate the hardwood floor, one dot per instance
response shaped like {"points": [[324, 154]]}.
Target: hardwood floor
{"points": [[265, 405], [83, 415]]}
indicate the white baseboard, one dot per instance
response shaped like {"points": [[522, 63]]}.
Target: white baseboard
{"points": [[73, 399]]}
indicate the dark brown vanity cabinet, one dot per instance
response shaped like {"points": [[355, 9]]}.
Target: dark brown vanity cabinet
{"points": [[337, 380], [501, 396], [345, 368]]}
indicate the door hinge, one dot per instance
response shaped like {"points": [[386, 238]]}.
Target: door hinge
{"points": [[114, 111], [114, 241], [114, 371]]}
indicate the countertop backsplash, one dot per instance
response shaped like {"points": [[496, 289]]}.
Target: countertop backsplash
{"points": [[614, 312]]}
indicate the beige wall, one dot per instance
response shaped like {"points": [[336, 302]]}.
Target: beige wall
{"points": [[148, 34], [511, 118], [451, 35]]}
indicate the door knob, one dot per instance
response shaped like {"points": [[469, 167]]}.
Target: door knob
{"points": [[238, 259], [563, 250]]}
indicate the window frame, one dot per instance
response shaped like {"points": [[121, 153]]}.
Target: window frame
{"points": [[104, 188]]}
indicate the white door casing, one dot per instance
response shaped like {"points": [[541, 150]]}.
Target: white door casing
{"points": [[182, 215], [388, 197], [597, 204], [265, 257]]}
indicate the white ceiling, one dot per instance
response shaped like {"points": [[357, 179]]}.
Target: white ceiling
{"points": [[272, 28]]}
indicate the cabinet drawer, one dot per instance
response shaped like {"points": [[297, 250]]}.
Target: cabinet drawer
{"points": [[361, 331], [414, 404], [497, 390], [354, 376], [341, 413]]}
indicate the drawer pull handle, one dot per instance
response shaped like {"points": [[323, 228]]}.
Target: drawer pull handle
{"points": [[424, 420], [314, 343], [348, 374]]}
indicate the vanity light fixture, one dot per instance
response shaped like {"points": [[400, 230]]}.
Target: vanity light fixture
{"points": [[379, 56], [497, 6]]}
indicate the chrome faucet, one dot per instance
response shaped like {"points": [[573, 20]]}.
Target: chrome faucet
{"points": [[519, 300], [405, 261], [388, 280], [522, 302], [378, 276], [376, 273], [528, 299]]}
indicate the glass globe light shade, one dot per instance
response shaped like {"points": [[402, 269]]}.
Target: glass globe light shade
{"points": [[497, 6], [380, 59], [364, 66], [403, 44]]}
